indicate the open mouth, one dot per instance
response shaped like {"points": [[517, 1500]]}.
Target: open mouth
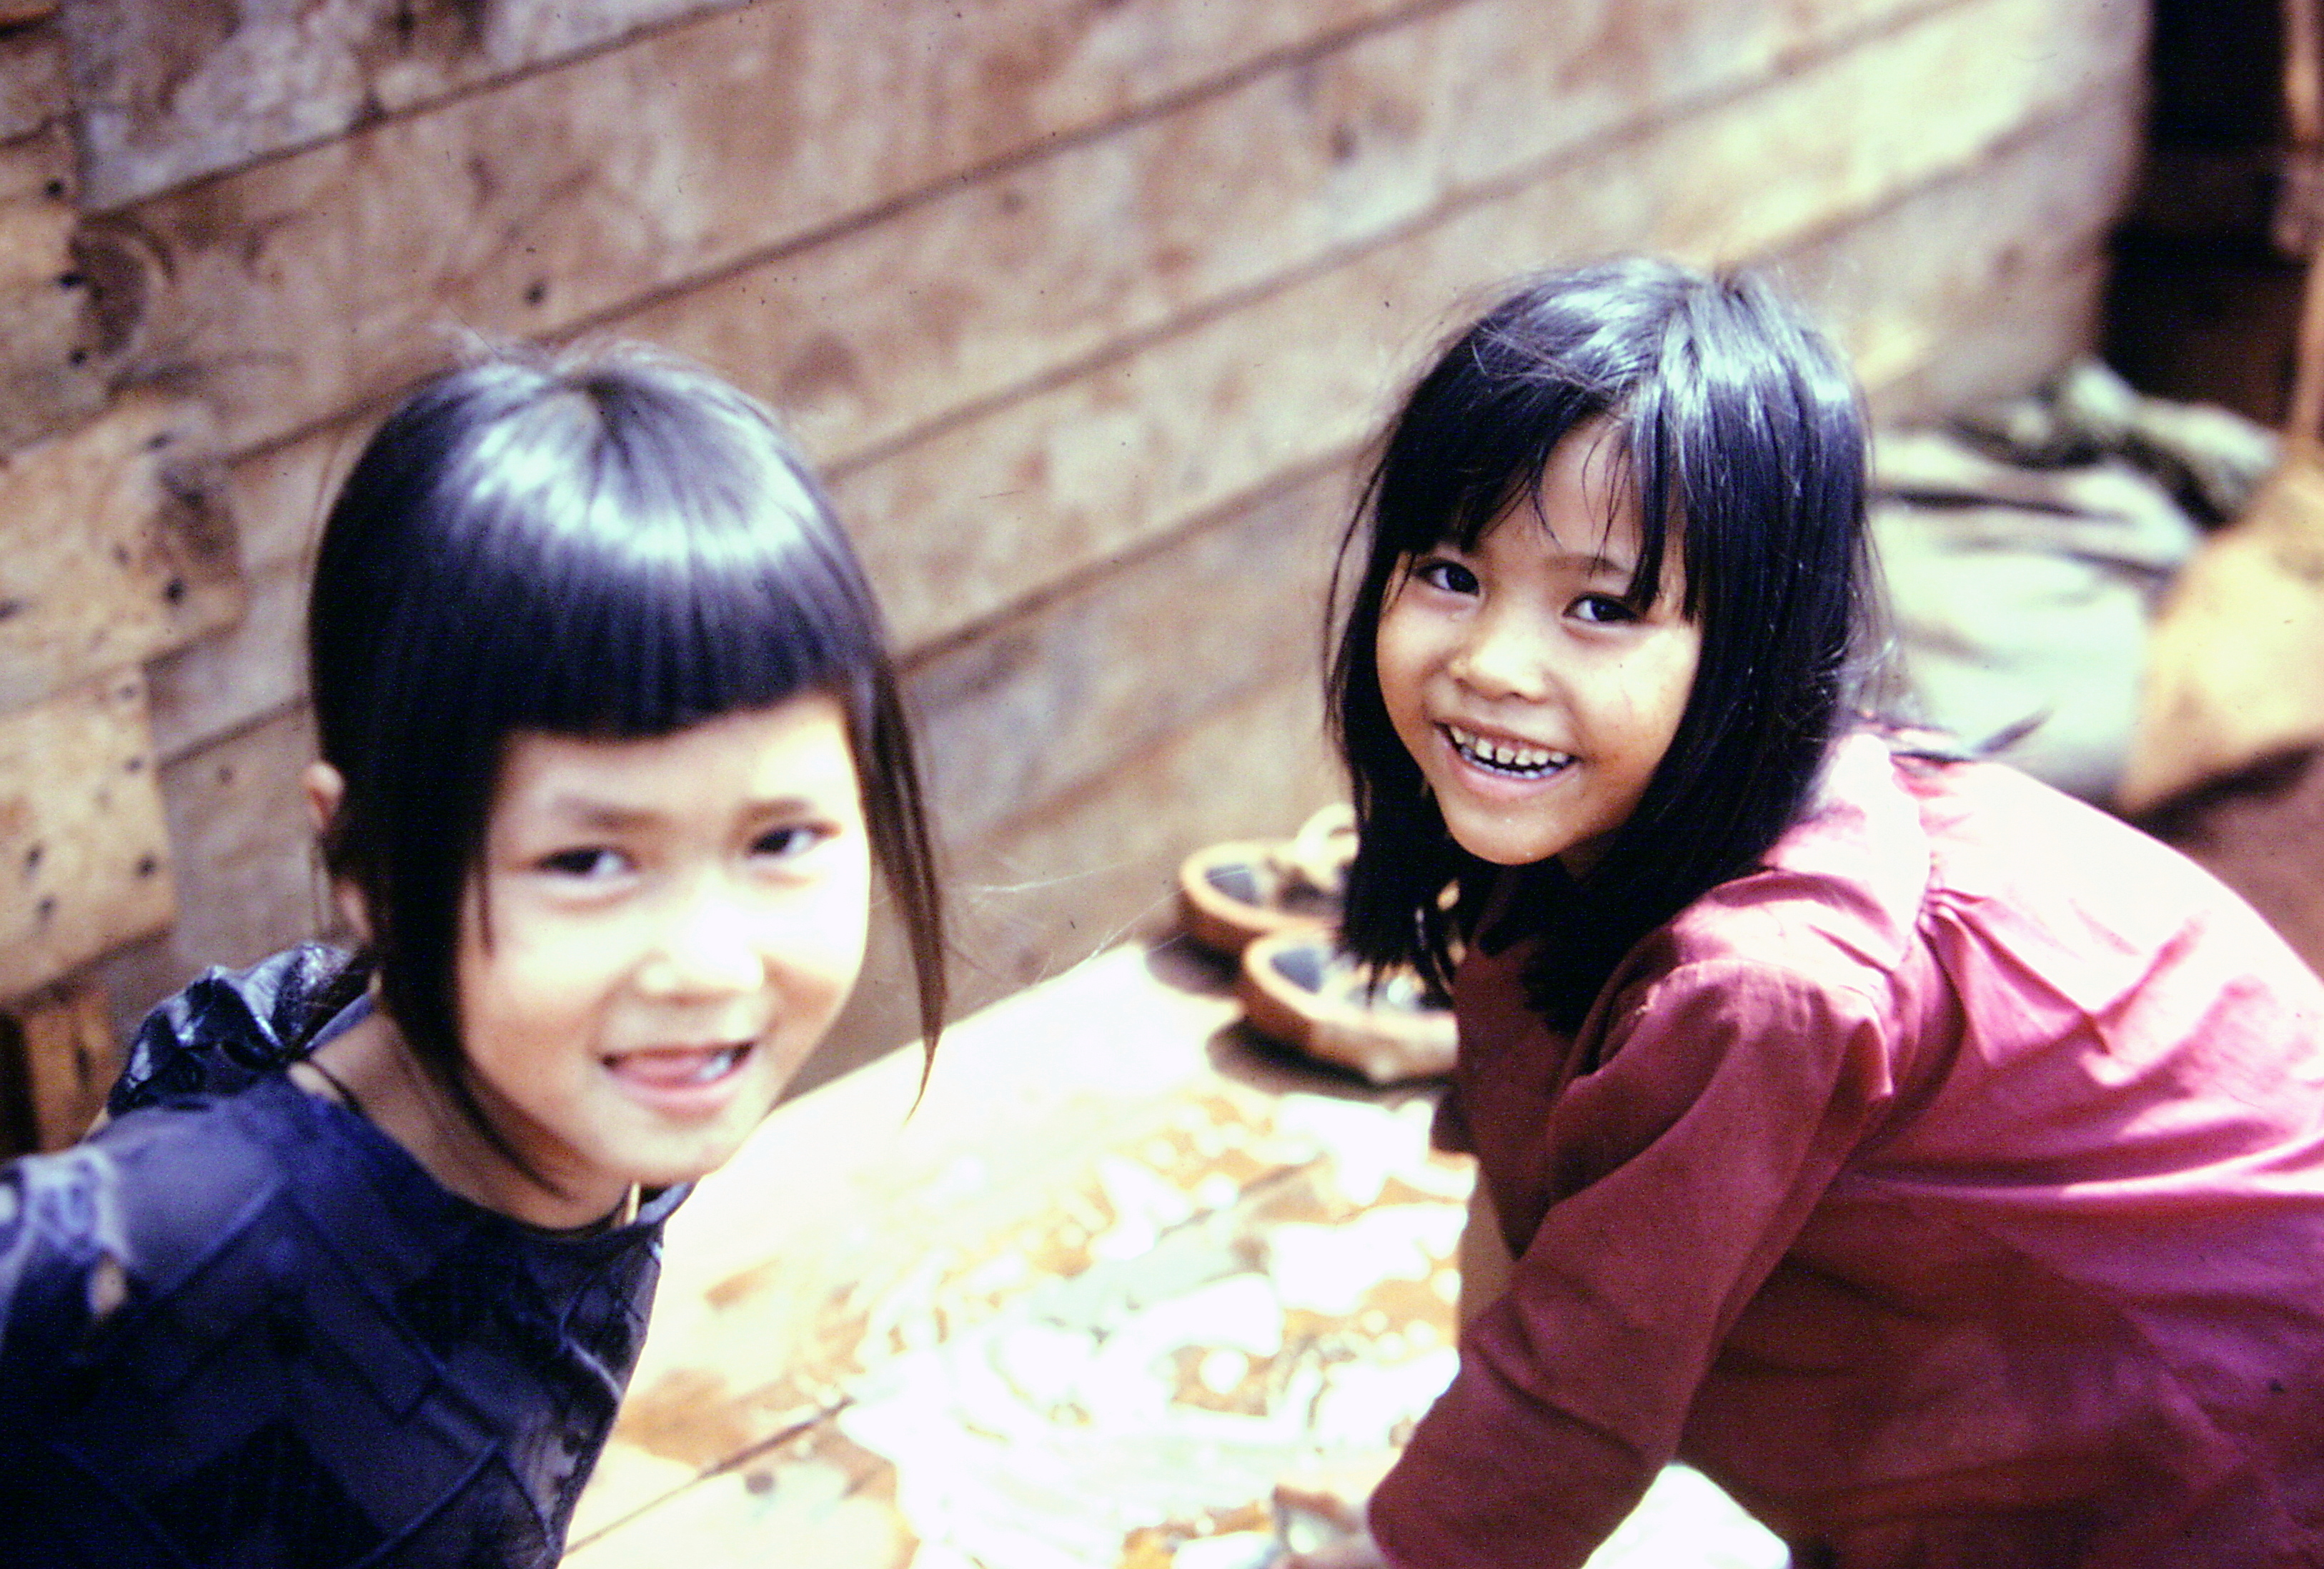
{"points": [[1507, 759], [678, 1067]]}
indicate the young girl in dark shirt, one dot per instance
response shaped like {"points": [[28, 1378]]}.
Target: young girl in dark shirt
{"points": [[1932, 1159], [610, 745]]}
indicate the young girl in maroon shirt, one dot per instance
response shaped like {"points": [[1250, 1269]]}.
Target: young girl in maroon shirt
{"points": [[1933, 1160]]}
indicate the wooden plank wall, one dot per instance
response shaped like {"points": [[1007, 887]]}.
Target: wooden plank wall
{"points": [[1086, 310], [116, 549]]}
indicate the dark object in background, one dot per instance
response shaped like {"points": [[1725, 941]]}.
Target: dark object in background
{"points": [[2261, 833], [2203, 304]]}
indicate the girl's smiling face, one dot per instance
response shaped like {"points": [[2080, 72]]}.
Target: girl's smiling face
{"points": [[1535, 694], [661, 930]]}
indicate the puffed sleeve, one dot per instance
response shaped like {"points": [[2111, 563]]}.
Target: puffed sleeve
{"points": [[229, 1029], [1678, 1173]]}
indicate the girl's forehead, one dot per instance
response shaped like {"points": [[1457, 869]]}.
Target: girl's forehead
{"points": [[1583, 501], [1599, 544], [796, 748]]}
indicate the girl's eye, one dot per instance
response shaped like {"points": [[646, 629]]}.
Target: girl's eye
{"points": [[789, 841], [1603, 608], [1449, 576], [592, 863]]}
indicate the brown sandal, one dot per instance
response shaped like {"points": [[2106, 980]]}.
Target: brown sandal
{"points": [[1297, 987], [1231, 893]]}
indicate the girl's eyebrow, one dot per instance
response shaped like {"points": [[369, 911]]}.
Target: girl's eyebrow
{"points": [[589, 812], [1593, 563], [586, 812]]}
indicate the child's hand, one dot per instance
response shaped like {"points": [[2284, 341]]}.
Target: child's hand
{"points": [[1319, 1514], [1356, 1552]]}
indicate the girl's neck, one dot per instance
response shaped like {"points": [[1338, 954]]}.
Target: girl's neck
{"points": [[371, 1068]]}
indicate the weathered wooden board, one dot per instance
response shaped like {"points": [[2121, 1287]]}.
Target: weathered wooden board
{"points": [[959, 525], [114, 547], [1079, 685], [174, 92], [177, 92], [1003, 280], [33, 91], [972, 350], [71, 1057], [277, 498], [84, 859], [304, 284], [2047, 319], [244, 860], [1077, 873], [1978, 284], [222, 681], [244, 847], [1007, 281], [68, 297]]}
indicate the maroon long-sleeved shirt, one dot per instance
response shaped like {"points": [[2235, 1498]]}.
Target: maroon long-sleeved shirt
{"points": [[1951, 1189]]}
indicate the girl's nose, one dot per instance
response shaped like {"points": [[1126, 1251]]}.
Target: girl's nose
{"points": [[1503, 656], [706, 947]]}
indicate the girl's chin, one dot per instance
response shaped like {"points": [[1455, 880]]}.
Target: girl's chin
{"points": [[1501, 839]]}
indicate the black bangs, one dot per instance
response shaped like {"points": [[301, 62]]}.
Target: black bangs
{"points": [[653, 567], [1741, 431]]}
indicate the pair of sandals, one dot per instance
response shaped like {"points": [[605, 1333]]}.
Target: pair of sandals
{"points": [[1274, 908]]}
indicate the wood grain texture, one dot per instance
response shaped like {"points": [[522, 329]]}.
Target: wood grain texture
{"points": [[33, 91], [257, 667], [238, 822], [958, 525], [992, 287], [1978, 285], [1001, 284], [176, 91], [71, 297], [1006, 278], [181, 91], [71, 1057], [1076, 872], [84, 858], [222, 682], [1079, 684], [310, 283], [114, 547]]}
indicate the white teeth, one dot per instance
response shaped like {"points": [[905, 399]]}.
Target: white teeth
{"points": [[1504, 755], [717, 1064]]}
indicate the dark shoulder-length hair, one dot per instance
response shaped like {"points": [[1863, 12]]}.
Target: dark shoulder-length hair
{"points": [[616, 544], [1745, 440]]}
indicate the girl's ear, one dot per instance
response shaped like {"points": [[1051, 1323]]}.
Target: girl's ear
{"points": [[325, 788]]}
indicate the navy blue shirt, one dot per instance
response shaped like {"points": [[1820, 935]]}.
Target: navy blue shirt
{"points": [[239, 1326]]}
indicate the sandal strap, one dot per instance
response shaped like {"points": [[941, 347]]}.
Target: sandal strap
{"points": [[1317, 856]]}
